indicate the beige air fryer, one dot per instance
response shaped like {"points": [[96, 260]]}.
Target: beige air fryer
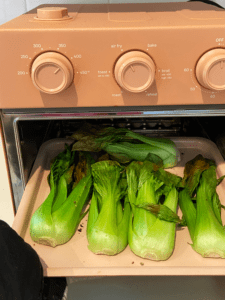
{"points": [[157, 69]]}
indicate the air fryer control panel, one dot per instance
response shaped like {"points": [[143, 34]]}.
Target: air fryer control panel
{"points": [[114, 55]]}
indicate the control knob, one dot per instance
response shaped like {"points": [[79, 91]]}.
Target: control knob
{"points": [[51, 72], [135, 71], [52, 14], [210, 70]]}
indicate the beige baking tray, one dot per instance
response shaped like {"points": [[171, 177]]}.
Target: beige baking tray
{"points": [[75, 259]]}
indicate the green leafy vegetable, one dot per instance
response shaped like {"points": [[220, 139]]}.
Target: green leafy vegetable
{"points": [[125, 146], [192, 172], [161, 211], [189, 211], [204, 223], [209, 236], [62, 189], [150, 236], [94, 138], [56, 219], [108, 218]]}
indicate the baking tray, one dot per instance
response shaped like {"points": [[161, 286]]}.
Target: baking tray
{"points": [[75, 259]]}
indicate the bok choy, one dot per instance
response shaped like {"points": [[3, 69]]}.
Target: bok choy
{"points": [[56, 219], [108, 219], [124, 145], [149, 236], [203, 218]]}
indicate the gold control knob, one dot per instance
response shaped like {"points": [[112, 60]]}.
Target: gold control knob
{"points": [[135, 71], [210, 70], [51, 72], [52, 14]]}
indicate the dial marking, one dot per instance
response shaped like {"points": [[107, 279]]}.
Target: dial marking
{"points": [[56, 71], [132, 68], [221, 64]]}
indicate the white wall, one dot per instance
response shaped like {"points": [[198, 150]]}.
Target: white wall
{"points": [[10, 9]]}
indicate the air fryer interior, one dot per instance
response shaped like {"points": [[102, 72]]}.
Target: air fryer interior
{"points": [[32, 134]]}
